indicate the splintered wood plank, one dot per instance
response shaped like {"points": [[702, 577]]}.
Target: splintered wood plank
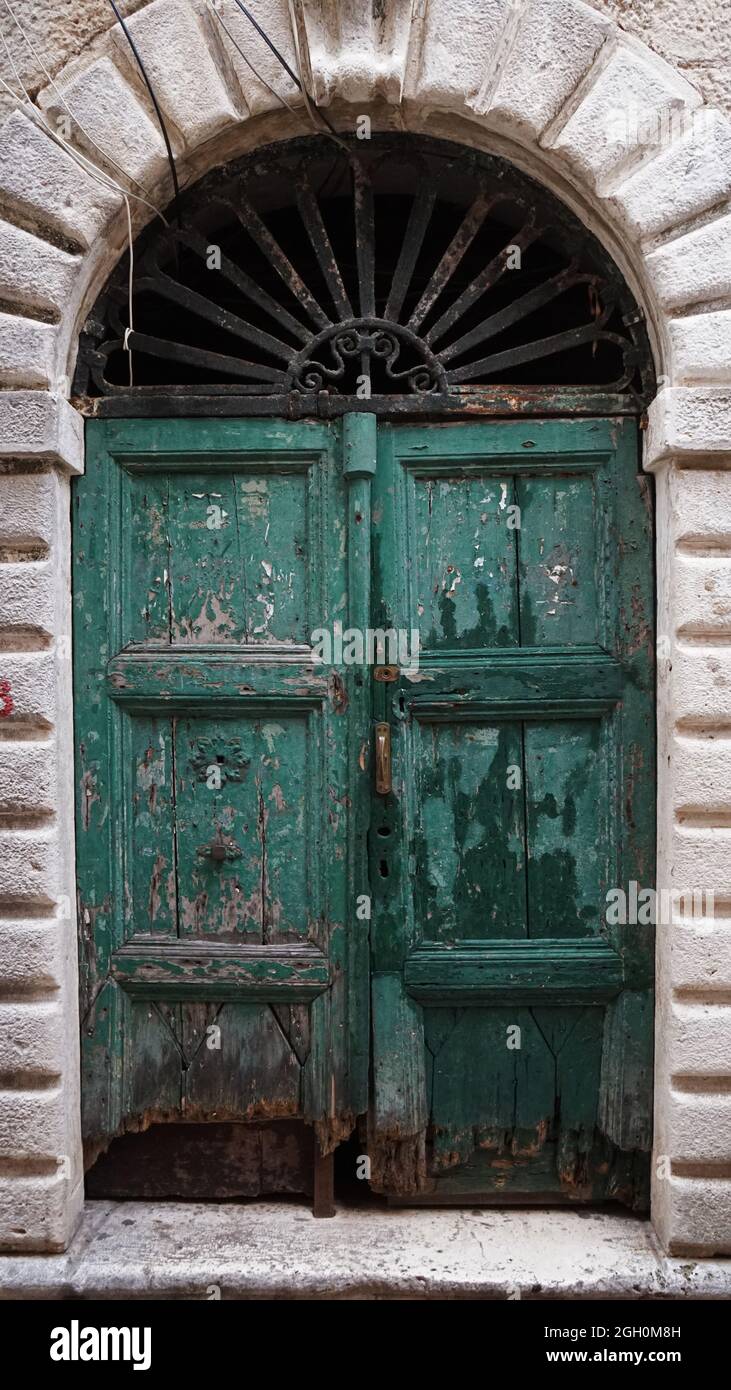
{"points": [[246, 1072], [151, 866], [492, 1086], [206, 1162], [470, 836], [153, 1083], [464, 586]]}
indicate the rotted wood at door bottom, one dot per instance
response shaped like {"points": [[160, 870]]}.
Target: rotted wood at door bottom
{"points": [[207, 1162]]}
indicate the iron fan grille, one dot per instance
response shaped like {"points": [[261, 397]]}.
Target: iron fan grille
{"points": [[410, 274]]}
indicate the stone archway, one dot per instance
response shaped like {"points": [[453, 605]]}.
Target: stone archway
{"points": [[541, 83]]}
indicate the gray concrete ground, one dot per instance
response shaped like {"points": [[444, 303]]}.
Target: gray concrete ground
{"points": [[278, 1250]]}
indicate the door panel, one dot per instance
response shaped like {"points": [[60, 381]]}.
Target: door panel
{"points": [[469, 832], [512, 1040], [216, 841]]}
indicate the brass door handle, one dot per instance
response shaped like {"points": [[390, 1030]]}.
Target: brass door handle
{"points": [[383, 759]]}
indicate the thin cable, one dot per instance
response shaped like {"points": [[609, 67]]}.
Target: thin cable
{"points": [[308, 103], [277, 95], [158, 112], [263, 34], [85, 164], [37, 56], [130, 282], [299, 84]]}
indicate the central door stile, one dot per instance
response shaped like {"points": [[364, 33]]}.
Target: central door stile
{"points": [[398, 1114], [348, 1027]]}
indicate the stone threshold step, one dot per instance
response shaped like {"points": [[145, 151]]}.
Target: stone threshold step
{"points": [[277, 1250]]}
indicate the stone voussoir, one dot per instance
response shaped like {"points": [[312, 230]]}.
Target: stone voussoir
{"points": [[356, 55], [623, 114], [187, 82], [103, 108], [276, 86], [454, 46], [686, 179], [45, 181], [532, 88]]}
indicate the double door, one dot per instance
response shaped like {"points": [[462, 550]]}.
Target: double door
{"points": [[364, 724]]}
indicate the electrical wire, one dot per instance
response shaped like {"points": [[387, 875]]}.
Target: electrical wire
{"points": [[39, 60], [298, 81], [277, 95], [158, 112], [105, 179]]}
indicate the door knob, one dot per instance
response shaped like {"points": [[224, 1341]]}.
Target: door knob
{"points": [[219, 850], [383, 759]]}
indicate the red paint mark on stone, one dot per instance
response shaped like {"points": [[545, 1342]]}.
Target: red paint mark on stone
{"points": [[6, 700]]}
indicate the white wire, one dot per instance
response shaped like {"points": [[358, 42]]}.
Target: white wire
{"points": [[248, 62], [105, 179], [318, 125], [303, 88], [35, 54]]}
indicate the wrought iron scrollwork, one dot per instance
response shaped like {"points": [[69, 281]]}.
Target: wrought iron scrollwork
{"points": [[416, 269], [343, 355]]}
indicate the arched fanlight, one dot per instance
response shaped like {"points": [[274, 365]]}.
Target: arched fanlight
{"points": [[405, 269]]}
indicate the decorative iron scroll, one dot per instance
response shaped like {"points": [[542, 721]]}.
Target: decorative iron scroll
{"points": [[400, 266]]}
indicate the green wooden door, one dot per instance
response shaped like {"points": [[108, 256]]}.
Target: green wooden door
{"points": [[225, 788], [216, 850], [511, 1024]]}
